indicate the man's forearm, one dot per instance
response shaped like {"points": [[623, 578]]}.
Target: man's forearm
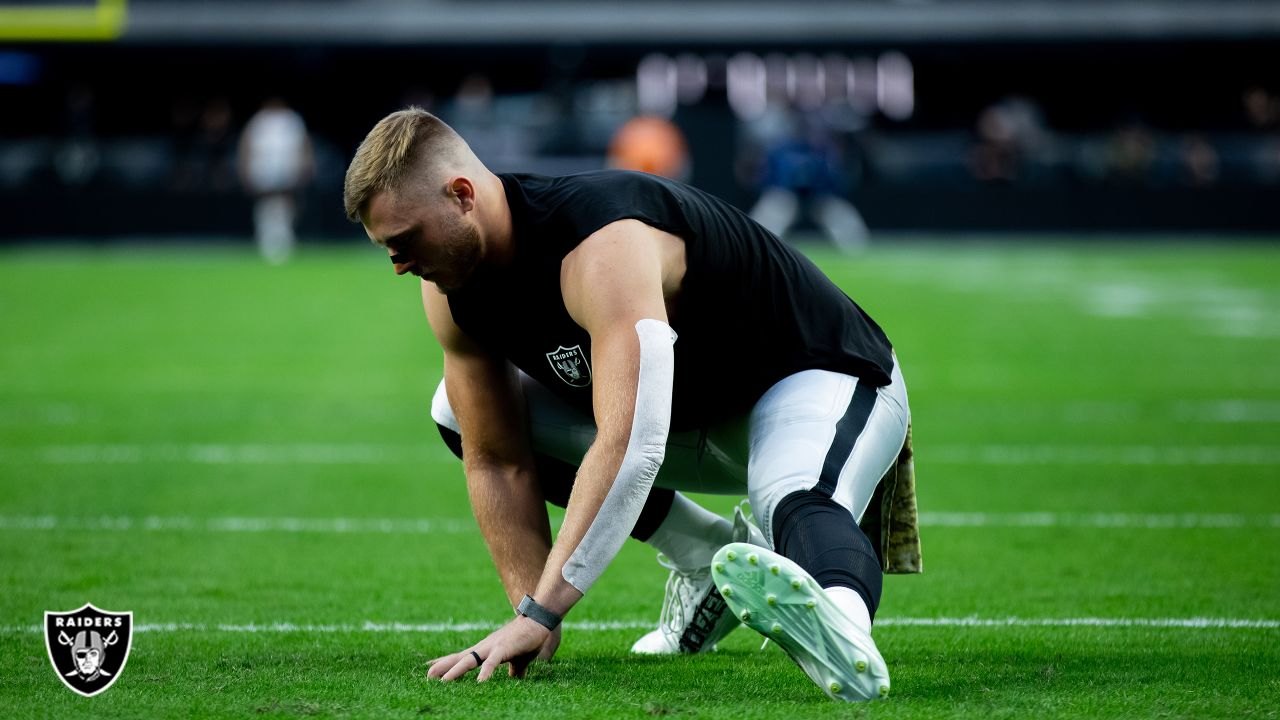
{"points": [[510, 509], [596, 476]]}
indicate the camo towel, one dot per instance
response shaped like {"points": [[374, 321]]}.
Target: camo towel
{"points": [[891, 517]]}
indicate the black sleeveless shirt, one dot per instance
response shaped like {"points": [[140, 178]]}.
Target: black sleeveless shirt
{"points": [[750, 311]]}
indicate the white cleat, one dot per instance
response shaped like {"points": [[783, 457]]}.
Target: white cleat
{"points": [[694, 615], [778, 599], [745, 531]]}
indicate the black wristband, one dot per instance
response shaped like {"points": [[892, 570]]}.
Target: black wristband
{"points": [[535, 612]]}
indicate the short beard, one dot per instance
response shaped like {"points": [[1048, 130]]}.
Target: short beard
{"points": [[461, 256]]}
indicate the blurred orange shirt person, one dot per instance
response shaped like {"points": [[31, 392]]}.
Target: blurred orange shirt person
{"points": [[650, 144]]}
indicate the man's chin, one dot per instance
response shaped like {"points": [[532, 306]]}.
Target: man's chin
{"points": [[444, 288]]}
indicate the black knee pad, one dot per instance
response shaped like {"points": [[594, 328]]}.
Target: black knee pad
{"points": [[556, 479], [821, 536]]}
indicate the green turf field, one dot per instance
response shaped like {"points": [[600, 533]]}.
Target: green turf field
{"points": [[242, 456]]}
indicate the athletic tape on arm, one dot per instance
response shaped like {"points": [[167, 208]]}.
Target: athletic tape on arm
{"points": [[640, 464]]}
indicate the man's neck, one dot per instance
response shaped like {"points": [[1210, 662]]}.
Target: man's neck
{"points": [[499, 239]]}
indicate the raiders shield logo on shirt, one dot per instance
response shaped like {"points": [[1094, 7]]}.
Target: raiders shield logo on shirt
{"points": [[571, 365], [88, 647]]}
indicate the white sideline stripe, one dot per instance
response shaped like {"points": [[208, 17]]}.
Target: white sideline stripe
{"points": [[1098, 520], [215, 454], [374, 454], [431, 628], [1101, 455], [391, 526], [402, 526]]}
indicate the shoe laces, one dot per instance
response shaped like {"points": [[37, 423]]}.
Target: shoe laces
{"points": [[681, 593]]}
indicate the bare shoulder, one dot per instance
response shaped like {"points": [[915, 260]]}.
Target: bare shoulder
{"points": [[623, 256]]}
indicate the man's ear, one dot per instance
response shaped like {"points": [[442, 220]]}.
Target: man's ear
{"points": [[463, 191]]}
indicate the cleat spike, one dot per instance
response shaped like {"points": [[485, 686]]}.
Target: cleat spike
{"points": [[811, 604], [772, 599], [884, 691], [776, 629], [753, 559], [727, 591], [719, 567], [795, 583], [731, 556], [860, 666], [835, 687], [745, 616], [775, 569]]}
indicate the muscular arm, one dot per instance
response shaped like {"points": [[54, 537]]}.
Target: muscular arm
{"points": [[505, 496], [611, 282]]}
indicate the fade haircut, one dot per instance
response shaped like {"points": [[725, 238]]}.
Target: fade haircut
{"points": [[405, 145]]}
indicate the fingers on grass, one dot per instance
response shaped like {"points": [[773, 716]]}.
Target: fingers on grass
{"points": [[458, 670], [486, 670], [442, 666]]}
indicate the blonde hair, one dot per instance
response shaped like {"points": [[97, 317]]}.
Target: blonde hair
{"points": [[398, 148]]}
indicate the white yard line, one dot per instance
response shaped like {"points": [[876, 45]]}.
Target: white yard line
{"points": [[389, 526], [215, 454], [375, 454], [1192, 623], [1098, 520], [432, 526], [1100, 455]]}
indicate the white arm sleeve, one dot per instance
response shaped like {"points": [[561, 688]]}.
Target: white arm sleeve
{"points": [[640, 464]]}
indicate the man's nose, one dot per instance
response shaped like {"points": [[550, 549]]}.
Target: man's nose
{"points": [[401, 263]]}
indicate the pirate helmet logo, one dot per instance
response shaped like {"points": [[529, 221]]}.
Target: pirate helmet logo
{"points": [[88, 647], [570, 365]]}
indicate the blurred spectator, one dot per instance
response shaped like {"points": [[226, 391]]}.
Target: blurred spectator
{"points": [[487, 121], [77, 157], [1131, 154], [275, 162], [1013, 142], [186, 175], [1262, 113], [1198, 162], [1261, 109], [205, 149], [804, 169], [650, 144]]}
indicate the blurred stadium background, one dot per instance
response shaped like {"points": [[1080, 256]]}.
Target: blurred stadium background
{"points": [[1135, 115], [241, 453]]}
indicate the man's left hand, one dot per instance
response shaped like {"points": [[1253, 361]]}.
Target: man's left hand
{"points": [[517, 643]]}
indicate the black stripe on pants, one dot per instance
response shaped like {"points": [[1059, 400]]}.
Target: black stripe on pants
{"points": [[847, 432]]}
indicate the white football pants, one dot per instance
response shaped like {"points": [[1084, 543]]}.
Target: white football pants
{"points": [[810, 431]]}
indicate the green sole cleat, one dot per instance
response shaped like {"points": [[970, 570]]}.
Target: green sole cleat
{"points": [[788, 607]]}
